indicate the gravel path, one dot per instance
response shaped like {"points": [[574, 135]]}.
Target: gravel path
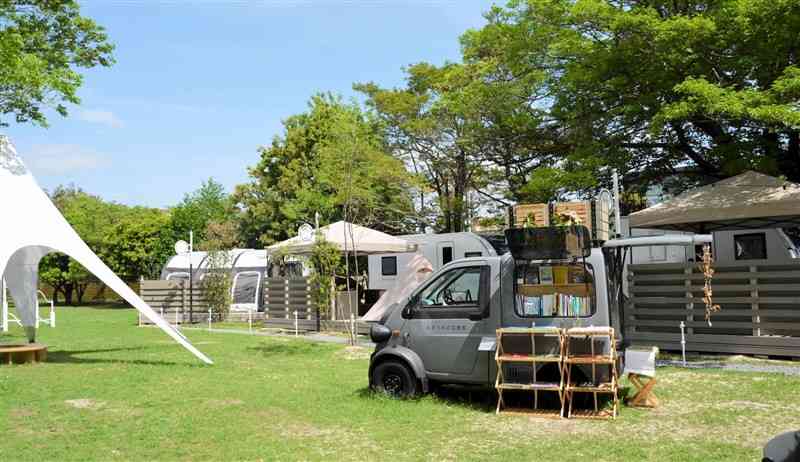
{"points": [[312, 337], [739, 367]]}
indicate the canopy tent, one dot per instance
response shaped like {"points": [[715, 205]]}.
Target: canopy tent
{"points": [[33, 228], [747, 201], [347, 237]]}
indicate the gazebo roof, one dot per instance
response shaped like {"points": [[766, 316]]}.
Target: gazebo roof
{"points": [[347, 237], [747, 201]]}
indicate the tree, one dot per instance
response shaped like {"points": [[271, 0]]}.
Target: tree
{"points": [[91, 217], [209, 203], [42, 43], [328, 156], [138, 243], [133, 241], [700, 89], [435, 135], [220, 238]]}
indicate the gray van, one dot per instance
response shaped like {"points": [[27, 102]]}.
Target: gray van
{"points": [[444, 331]]}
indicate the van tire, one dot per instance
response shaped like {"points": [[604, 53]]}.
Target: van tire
{"points": [[394, 379]]}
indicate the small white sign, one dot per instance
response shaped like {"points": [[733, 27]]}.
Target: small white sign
{"points": [[306, 232], [181, 247], [487, 344]]}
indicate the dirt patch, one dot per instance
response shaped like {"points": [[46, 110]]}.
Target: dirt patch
{"points": [[225, 402], [352, 353], [21, 413], [85, 403]]}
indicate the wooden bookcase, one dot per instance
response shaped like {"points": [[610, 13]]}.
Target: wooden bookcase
{"points": [[525, 341], [576, 338]]}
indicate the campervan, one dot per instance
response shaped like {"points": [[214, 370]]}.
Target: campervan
{"points": [[439, 249], [444, 330], [248, 269]]}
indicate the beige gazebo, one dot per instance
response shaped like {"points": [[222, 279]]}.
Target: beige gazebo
{"points": [[748, 201]]}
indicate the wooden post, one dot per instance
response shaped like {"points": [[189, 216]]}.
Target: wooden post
{"points": [[286, 297], [689, 298], [754, 301]]}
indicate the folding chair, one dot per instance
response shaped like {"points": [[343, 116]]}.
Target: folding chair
{"points": [[640, 366]]}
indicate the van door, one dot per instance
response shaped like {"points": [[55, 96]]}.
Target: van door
{"points": [[447, 319]]}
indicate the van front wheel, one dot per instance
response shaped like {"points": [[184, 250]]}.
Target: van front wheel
{"points": [[395, 379]]}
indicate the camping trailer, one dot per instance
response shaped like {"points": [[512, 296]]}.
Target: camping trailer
{"points": [[439, 249], [248, 269]]}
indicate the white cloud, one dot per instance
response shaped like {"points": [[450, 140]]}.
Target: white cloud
{"points": [[57, 159], [99, 116]]}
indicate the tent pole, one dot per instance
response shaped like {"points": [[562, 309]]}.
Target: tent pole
{"points": [[5, 303], [191, 276]]}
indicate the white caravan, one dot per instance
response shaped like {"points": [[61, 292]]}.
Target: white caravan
{"points": [[248, 269], [439, 249]]}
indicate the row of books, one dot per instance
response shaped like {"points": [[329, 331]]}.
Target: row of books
{"points": [[548, 275], [561, 305]]}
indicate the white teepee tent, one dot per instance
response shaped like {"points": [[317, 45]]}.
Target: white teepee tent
{"points": [[32, 228]]}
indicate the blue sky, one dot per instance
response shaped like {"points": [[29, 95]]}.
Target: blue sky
{"points": [[200, 84]]}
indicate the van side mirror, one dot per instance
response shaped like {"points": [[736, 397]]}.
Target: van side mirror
{"points": [[408, 311]]}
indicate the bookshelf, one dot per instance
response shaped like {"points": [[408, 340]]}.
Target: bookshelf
{"points": [[536, 290], [532, 347], [581, 349]]}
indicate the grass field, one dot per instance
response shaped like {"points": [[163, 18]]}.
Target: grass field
{"points": [[112, 391]]}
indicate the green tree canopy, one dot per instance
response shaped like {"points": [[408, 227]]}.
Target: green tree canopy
{"points": [[698, 88], [42, 43], [328, 159], [134, 241], [208, 204]]}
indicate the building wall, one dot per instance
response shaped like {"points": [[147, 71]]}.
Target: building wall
{"points": [[725, 250]]}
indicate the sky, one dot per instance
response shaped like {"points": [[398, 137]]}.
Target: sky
{"points": [[199, 85]]}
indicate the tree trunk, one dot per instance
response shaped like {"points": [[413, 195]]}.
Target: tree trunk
{"points": [[68, 294]]}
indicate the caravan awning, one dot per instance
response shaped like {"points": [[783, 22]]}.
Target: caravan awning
{"points": [[747, 201], [347, 237]]}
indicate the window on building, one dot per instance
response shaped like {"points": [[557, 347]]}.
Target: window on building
{"points": [[447, 255], [389, 266], [750, 246]]}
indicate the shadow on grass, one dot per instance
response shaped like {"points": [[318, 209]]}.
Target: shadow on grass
{"points": [[75, 357], [290, 348], [476, 399]]}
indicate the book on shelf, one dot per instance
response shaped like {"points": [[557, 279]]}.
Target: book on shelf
{"points": [[546, 275]]}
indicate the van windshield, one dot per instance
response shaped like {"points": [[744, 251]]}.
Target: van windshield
{"points": [[545, 290]]}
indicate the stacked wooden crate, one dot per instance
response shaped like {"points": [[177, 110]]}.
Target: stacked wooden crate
{"points": [[590, 347], [535, 346], [581, 349]]}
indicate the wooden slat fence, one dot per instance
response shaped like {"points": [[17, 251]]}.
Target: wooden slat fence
{"points": [[282, 297], [760, 308], [172, 298]]}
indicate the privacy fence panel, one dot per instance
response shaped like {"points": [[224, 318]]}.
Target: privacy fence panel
{"points": [[283, 296], [760, 308], [175, 301]]}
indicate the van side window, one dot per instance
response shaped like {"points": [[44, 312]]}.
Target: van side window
{"points": [[456, 288], [388, 266], [472, 254], [554, 290], [447, 255]]}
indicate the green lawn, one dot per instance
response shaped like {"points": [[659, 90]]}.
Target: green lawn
{"points": [[112, 391]]}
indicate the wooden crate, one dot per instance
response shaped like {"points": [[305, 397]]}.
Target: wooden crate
{"points": [[540, 213]]}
